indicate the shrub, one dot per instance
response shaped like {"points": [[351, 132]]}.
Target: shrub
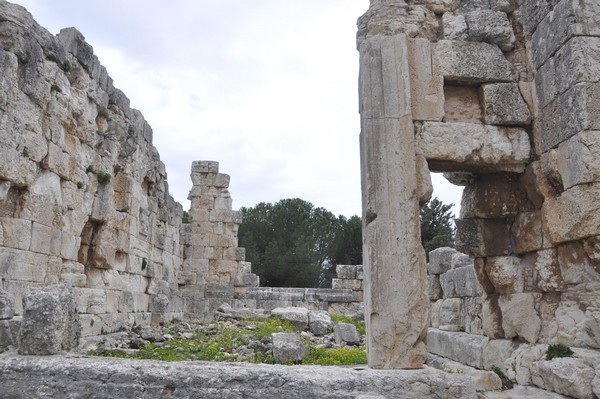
{"points": [[558, 350], [103, 177], [117, 168], [66, 66]]}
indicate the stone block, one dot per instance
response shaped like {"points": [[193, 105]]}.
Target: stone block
{"points": [[450, 313], [16, 232], [575, 265], [8, 337], [434, 287], [491, 27], [460, 282], [7, 306], [567, 19], [471, 62], [454, 26], [577, 62], [440, 260], [360, 274], [471, 315], [568, 376], [576, 162], [345, 271], [426, 84], [503, 104], [287, 348], [519, 316], [319, 322], [496, 351], [345, 333], [574, 111], [458, 346], [483, 237], [471, 146], [505, 273], [491, 317], [461, 260], [351, 284], [566, 222], [297, 316], [50, 321], [528, 232], [462, 104]]}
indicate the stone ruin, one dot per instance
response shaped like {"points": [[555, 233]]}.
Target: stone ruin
{"points": [[500, 95]]}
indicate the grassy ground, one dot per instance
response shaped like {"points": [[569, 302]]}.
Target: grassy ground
{"points": [[220, 341]]}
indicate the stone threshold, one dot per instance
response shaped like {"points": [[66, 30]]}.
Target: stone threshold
{"points": [[78, 376]]}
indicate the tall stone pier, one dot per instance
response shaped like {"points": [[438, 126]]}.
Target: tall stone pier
{"points": [[395, 293]]}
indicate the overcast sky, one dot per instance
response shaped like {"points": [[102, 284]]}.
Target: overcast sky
{"points": [[268, 88]]}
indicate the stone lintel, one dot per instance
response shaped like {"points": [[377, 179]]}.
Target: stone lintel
{"points": [[473, 147]]}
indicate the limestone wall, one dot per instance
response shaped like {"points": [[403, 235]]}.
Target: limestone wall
{"points": [[502, 97], [84, 196]]}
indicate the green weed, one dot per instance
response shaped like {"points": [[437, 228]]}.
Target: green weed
{"points": [[558, 350]]}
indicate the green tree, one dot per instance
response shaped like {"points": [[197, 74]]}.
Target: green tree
{"points": [[437, 225], [287, 242]]}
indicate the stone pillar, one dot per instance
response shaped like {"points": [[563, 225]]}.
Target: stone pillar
{"points": [[216, 261], [395, 273]]}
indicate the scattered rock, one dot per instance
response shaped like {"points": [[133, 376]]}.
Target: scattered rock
{"points": [[287, 347], [297, 316], [346, 333], [319, 322]]}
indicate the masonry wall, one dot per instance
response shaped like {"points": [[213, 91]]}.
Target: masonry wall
{"points": [[84, 196], [502, 98]]}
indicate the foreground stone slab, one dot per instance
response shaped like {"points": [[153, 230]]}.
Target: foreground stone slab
{"points": [[76, 377]]}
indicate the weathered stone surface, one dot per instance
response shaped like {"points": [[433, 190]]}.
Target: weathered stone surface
{"points": [[426, 84], [434, 287], [573, 111], [7, 305], [491, 27], [568, 376], [484, 380], [78, 376], [469, 146], [454, 26], [566, 20], [519, 316], [297, 316], [505, 273], [346, 271], [523, 392], [346, 332], [461, 347], [471, 62], [319, 322], [518, 365], [462, 104], [450, 313], [460, 282], [496, 351], [50, 321], [349, 284], [572, 215], [504, 105], [288, 348], [440, 260], [395, 318]]}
